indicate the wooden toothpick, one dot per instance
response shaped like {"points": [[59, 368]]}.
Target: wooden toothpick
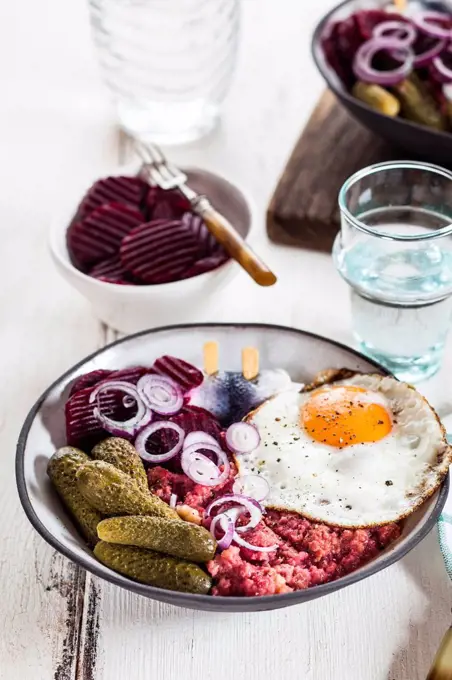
{"points": [[211, 354], [250, 362]]}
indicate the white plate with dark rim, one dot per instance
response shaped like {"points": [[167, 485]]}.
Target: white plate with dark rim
{"points": [[302, 354]]}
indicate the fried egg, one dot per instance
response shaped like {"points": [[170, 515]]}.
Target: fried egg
{"points": [[363, 451]]}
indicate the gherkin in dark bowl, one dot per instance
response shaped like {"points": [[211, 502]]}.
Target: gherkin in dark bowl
{"points": [[417, 141]]}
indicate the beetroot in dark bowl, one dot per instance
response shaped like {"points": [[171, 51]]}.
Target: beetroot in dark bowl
{"points": [[340, 47]]}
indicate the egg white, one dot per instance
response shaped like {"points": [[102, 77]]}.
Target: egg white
{"points": [[359, 485]]}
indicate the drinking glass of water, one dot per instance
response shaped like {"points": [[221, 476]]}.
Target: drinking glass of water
{"points": [[395, 251], [167, 63]]}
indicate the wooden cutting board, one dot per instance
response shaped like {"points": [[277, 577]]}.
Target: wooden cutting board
{"points": [[303, 211]]}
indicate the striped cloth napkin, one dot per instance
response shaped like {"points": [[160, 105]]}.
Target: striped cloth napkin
{"points": [[445, 519]]}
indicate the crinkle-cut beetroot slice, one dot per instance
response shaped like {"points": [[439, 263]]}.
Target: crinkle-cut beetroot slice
{"points": [[366, 20], [206, 264], [131, 374], [167, 204], [99, 236], [183, 373], [159, 252], [89, 380], [192, 419], [111, 271], [82, 426], [126, 190], [197, 226]]}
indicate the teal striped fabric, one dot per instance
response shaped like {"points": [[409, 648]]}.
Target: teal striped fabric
{"points": [[445, 535]]}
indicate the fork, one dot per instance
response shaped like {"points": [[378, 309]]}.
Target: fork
{"points": [[168, 176]]}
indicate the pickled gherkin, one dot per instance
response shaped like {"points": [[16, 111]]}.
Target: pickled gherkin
{"points": [[120, 453], [62, 470], [113, 492], [154, 568], [175, 537], [377, 97], [417, 103]]}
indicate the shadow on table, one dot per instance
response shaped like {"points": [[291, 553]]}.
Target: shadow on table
{"points": [[425, 567]]}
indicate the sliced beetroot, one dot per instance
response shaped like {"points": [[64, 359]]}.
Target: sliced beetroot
{"points": [[165, 204], [82, 427], [196, 225], [111, 271], [206, 264], [159, 251], [341, 65], [99, 236], [367, 20], [132, 374], [183, 373], [126, 190], [349, 38], [89, 380], [192, 419]]}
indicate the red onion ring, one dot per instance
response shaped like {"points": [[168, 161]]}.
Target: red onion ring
{"points": [[362, 64], [251, 505], [161, 394], [173, 500], [425, 22], [395, 28], [202, 470], [126, 427], [191, 458], [199, 437], [226, 524], [253, 486], [140, 441], [257, 548], [242, 437], [447, 91], [443, 72], [426, 57]]}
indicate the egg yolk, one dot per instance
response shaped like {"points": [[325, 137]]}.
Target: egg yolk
{"points": [[344, 415]]}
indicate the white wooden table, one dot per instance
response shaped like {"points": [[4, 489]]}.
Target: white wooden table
{"points": [[57, 131]]}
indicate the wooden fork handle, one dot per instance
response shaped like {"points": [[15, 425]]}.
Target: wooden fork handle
{"points": [[233, 243]]}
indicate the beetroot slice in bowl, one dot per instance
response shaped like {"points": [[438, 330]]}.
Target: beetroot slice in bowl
{"points": [[183, 373], [111, 271], [206, 264], [165, 204], [208, 242], [83, 429], [159, 251], [89, 380], [126, 190], [192, 419], [99, 236], [131, 375]]}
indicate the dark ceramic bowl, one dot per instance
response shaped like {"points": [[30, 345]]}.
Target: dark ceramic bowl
{"points": [[419, 141], [301, 354]]}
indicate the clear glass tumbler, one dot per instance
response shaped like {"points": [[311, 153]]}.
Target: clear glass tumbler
{"points": [[168, 63], [395, 251]]}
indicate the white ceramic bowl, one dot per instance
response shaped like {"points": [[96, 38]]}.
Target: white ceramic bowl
{"points": [[301, 354], [134, 308]]}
